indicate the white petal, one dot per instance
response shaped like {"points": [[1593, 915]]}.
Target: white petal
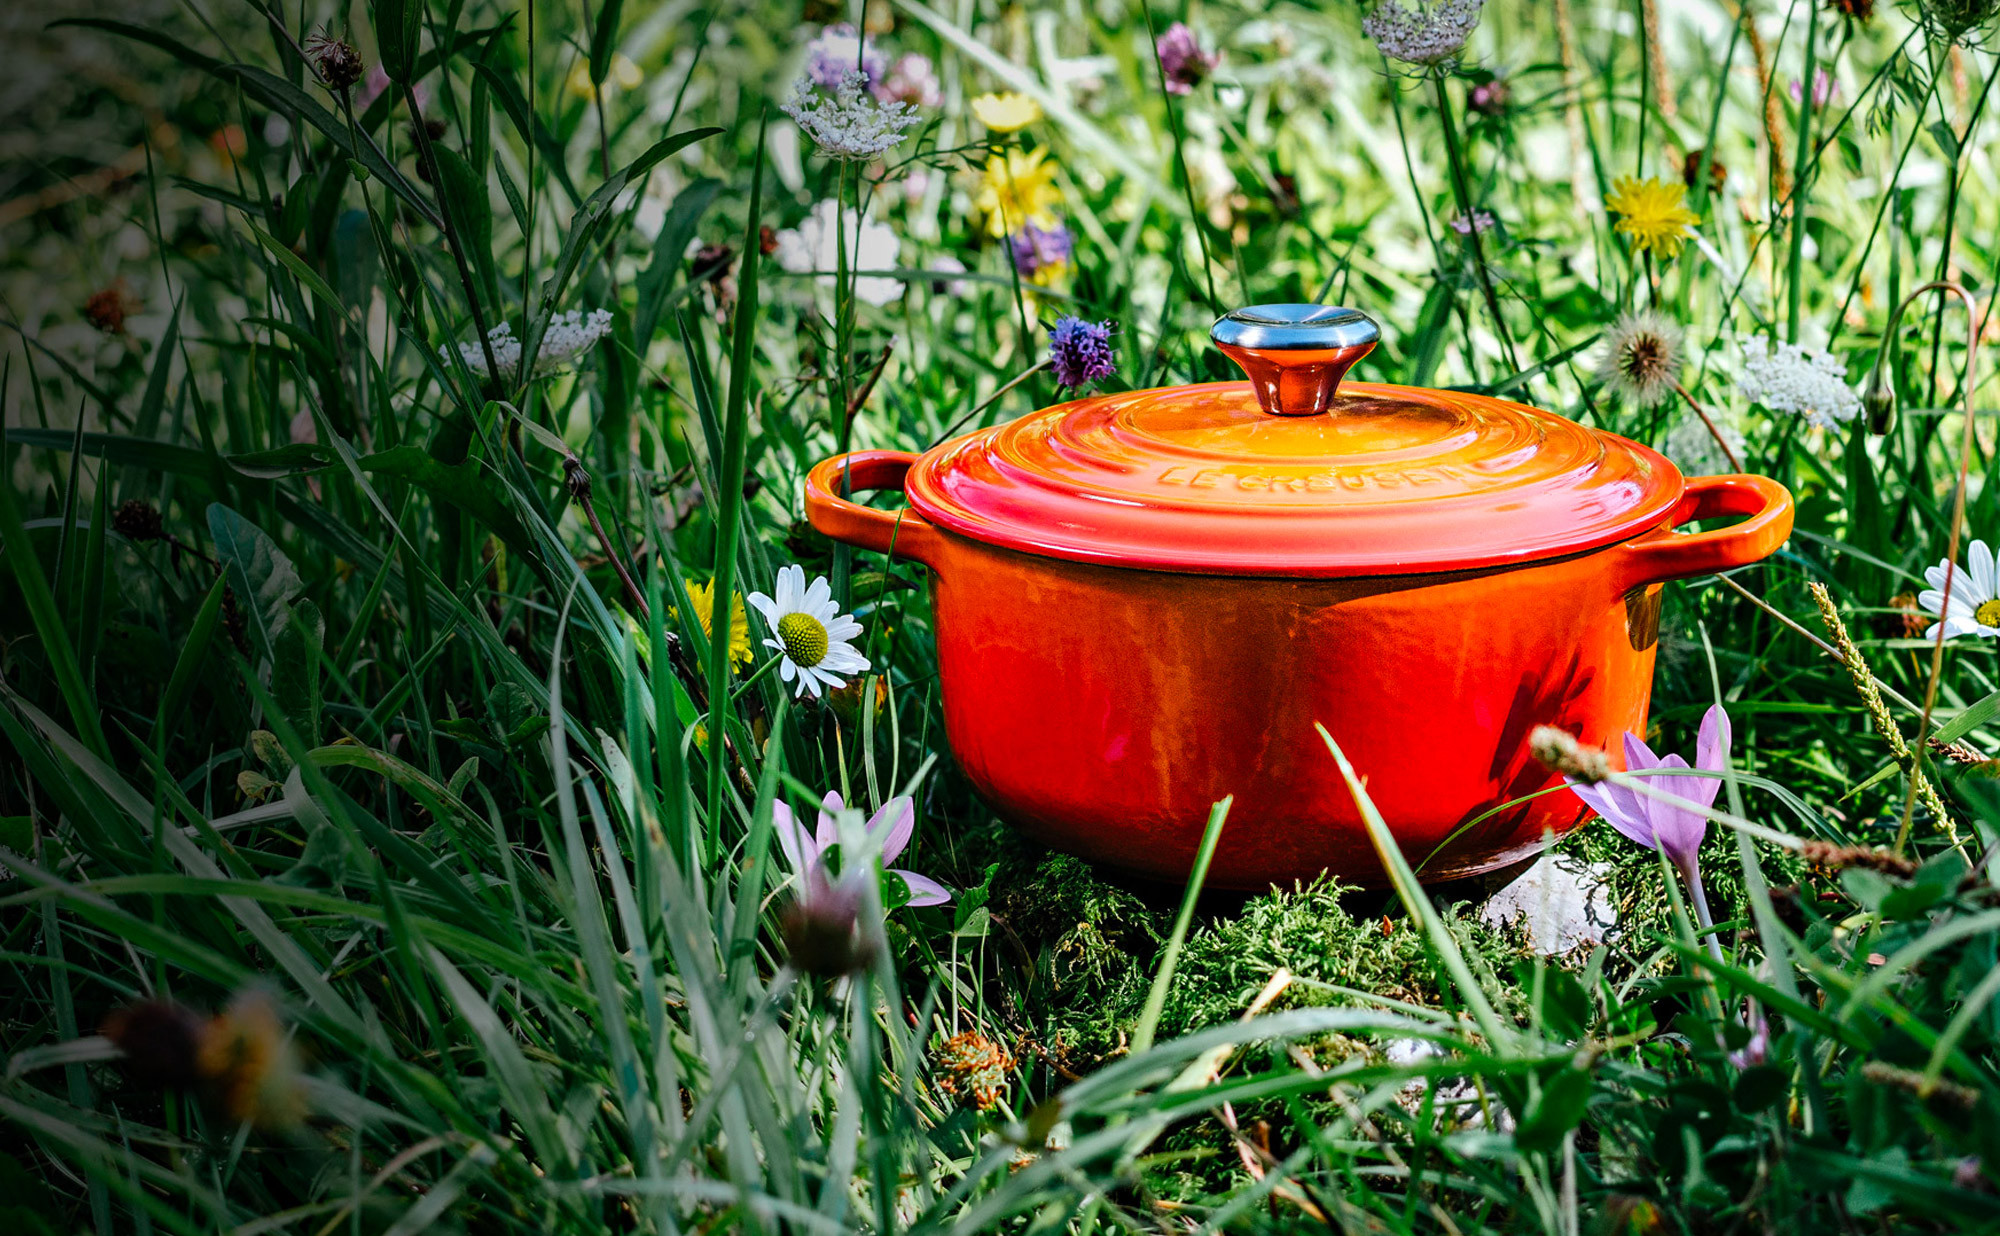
{"points": [[786, 669], [1929, 599], [765, 606], [809, 681], [1934, 575], [1981, 561], [817, 595]]}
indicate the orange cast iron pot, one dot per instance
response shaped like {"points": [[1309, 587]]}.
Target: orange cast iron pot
{"points": [[1144, 602]]}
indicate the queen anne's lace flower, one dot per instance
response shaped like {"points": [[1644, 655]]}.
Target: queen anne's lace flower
{"points": [[1797, 379], [849, 123], [1694, 449], [569, 336], [813, 246], [1424, 36]]}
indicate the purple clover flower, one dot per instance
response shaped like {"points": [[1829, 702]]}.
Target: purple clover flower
{"points": [[1038, 248], [1080, 351], [839, 51], [1182, 61]]}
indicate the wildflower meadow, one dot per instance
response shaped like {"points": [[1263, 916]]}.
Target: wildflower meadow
{"points": [[466, 771]]}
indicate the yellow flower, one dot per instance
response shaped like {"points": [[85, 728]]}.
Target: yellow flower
{"points": [[1005, 113], [624, 74], [1015, 190], [702, 596], [1651, 214]]}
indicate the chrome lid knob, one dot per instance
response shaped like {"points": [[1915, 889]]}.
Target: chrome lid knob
{"points": [[1295, 355]]}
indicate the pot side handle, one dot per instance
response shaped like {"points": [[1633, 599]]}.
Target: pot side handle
{"points": [[1664, 554], [904, 533]]}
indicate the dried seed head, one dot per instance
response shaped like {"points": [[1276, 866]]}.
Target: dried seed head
{"points": [[335, 60], [138, 520], [1561, 752], [108, 308], [1855, 10], [1642, 358], [973, 1069], [1718, 175], [1833, 857], [161, 1041]]}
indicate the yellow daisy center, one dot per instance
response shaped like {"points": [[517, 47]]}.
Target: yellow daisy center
{"points": [[1988, 615], [804, 638]]}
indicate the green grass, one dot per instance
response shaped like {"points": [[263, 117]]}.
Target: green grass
{"points": [[399, 746]]}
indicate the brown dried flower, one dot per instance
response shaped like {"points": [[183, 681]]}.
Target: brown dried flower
{"points": [[108, 308], [1718, 175], [242, 1058], [1827, 855], [138, 520], [335, 60], [973, 1069], [1561, 752]]}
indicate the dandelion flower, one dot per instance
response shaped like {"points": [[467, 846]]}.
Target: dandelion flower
{"points": [[812, 634], [1791, 377], [569, 336], [1006, 112], [1641, 361], [1017, 189], [1650, 212], [1182, 61], [850, 123], [702, 597], [1422, 36], [1975, 595], [1080, 351], [814, 246]]}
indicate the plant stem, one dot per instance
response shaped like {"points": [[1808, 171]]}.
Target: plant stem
{"points": [[1462, 190], [451, 240], [1795, 275], [1713, 432]]}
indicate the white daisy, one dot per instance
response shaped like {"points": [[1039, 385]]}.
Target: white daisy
{"points": [[1975, 595], [812, 633]]}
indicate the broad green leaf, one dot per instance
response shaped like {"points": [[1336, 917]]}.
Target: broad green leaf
{"points": [[264, 579]]}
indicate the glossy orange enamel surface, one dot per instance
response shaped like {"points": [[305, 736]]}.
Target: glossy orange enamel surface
{"points": [[1202, 479], [1146, 601], [1104, 709]]}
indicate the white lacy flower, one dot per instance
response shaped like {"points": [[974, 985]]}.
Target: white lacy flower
{"points": [[812, 633], [812, 246], [1797, 379], [1975, 595], [1422, 36], [849, 123], [569, 336], [1693, 449]]}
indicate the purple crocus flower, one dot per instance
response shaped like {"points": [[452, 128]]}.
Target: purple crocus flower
{"points": [[807, 851], [838, 51], [1672, 830], [1038, 248], [1080, 351], [1182, 61]]}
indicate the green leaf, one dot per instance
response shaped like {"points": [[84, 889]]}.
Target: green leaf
{"points": [[189, 663], [658, 278], [1554, 1112], [467, 486], [604, 39], [294, 263], [398, 24], [584, 226], [264, 579], [295, 670], [462, 192], [280, 461]]}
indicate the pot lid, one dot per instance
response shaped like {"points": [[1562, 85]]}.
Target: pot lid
{"points": [[1295, 472]]}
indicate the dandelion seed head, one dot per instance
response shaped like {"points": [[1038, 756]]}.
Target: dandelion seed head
{"points": [[1641, 360]]}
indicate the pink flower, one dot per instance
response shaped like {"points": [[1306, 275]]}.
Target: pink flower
{"points": [[1824, 88], [1674, 831], [894, 824], [1182, 61]]}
